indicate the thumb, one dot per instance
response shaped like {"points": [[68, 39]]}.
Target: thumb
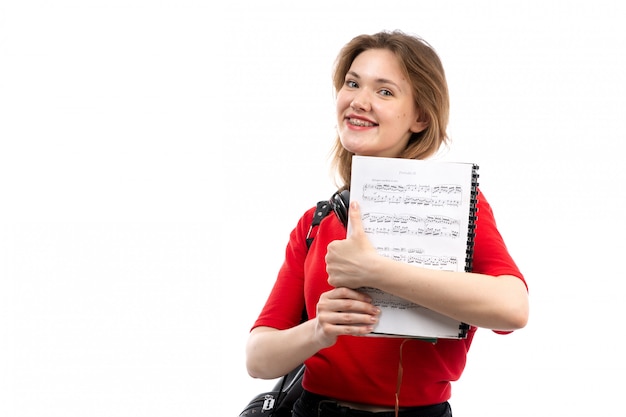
{"points": [[355, 225]]}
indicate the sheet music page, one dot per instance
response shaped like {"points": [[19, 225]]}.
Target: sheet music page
{"points": [[416, 212]]}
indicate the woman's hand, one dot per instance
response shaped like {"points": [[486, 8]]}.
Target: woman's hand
{"points": [[340, 311], [343, 311], [350, 262]]}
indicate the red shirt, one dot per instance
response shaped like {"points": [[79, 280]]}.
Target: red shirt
{"points": [[365, 369]]}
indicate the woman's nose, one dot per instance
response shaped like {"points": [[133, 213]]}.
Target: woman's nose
{"points": [[361, 101]]}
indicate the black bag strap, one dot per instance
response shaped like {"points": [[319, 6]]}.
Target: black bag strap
{"points": [[338, 203], [322, 209]]}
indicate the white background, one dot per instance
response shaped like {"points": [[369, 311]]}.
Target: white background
{"points": [[155, 156]]}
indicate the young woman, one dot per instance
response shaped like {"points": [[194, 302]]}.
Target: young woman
{"points": [[392, 101]]}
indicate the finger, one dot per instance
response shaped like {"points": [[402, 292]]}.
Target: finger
{"points": [[345, 292], [334, 330], [356, 224], [357, 322]]}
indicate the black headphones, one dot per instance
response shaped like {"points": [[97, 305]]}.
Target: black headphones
{"points": [[340, 202]]}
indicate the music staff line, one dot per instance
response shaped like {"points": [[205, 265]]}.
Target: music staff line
{"points": [[446, 263], [409, 224], [414, 194]]}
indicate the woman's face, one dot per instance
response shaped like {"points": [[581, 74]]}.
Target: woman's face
{"points": [[376, 112]]}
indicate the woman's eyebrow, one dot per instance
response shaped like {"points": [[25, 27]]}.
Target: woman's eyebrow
{"points": [[378, 80]]}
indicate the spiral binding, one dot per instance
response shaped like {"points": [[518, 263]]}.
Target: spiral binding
{"points": [[473, 216], [471, 234]]}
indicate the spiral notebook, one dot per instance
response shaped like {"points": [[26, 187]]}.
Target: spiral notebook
{"points": [[422, 213]]}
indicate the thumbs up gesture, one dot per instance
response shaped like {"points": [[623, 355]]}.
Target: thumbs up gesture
{"points": [[350, 262]]}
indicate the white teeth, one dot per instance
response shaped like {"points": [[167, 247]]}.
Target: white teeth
{"points": [[359, 122]]}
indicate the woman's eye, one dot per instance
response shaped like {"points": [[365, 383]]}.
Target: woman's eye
{"points": [[385, 92], [351, 84]]}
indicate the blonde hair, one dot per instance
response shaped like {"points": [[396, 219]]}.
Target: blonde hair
{"points": [[422, 66]]}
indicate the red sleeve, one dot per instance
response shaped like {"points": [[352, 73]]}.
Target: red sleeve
{"points": [[283, 308], [491, 256]]}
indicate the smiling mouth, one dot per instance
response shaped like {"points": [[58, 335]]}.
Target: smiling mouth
{"points": [[361, 123]]}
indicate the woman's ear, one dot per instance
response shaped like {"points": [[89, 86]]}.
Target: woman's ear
{"points": [[420, 124]]}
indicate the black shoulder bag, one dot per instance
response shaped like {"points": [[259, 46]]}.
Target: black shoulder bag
{"points": [[279, 402]]}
